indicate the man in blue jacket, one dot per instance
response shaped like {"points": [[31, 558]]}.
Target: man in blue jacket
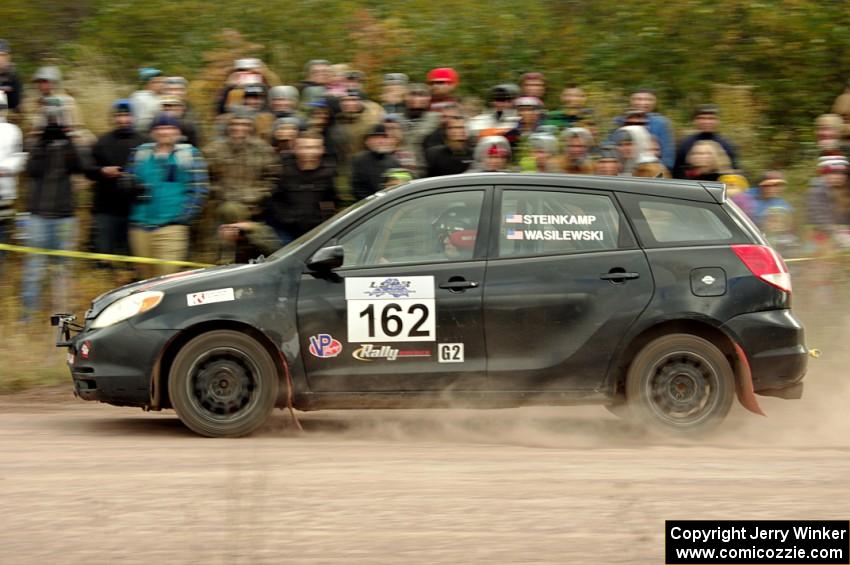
{"points": [[644, 100], [171, 184], [706, 121]]}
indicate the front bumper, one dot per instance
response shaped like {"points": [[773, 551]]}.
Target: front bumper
{"points": [[774, 342], [114, 364]]}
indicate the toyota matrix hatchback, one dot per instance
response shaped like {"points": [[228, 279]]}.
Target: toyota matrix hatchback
{"points": [[656, 298]]}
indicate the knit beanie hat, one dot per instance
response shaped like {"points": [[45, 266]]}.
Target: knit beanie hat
{"points": [[284, 91], [165, 120]]}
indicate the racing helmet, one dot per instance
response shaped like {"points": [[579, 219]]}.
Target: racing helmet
{"points": [[455, 224]]}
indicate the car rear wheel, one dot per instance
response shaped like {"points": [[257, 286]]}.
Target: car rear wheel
{"points": [[223, 384], [680, 383]]}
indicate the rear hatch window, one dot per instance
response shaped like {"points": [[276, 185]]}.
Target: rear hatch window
{"points": [[671, 222]]}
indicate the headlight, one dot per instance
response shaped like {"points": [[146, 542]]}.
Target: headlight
{"points": [[127, 307]]}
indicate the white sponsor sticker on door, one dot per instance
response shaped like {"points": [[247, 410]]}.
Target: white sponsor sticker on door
{"points": [[210, 297], [450, 352], [390, 309]]}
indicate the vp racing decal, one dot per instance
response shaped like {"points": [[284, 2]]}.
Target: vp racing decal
{"points": [[324, 346]]}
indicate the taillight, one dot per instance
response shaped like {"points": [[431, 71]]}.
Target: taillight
{"points": [[766, 264]]}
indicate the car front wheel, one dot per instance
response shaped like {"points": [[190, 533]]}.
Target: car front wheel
{"points": [[223, 384], [680, 383]]}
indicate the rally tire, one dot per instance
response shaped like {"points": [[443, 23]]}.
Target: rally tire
{"points": [[223, 383], [680, 383]]}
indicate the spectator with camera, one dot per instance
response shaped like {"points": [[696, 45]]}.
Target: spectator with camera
{"points": [[48, 82], [111, 199], [55, 155]]}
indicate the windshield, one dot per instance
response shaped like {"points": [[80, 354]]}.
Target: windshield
{"points": [[298, 242]]}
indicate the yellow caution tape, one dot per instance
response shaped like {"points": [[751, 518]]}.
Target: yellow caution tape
{"points": [[152, 261], [818, 258], [98, 256]]}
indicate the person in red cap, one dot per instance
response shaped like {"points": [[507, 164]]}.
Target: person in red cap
{"points": [[443, 82], [492, 155], [828, 199]]}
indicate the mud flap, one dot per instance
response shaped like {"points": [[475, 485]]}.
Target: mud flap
{"points": [[744, 384]]}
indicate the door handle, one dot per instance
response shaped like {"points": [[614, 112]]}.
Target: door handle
{"points": [[458, 286], [619, 276]]}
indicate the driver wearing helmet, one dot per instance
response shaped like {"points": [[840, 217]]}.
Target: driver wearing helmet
{"points": [[455, 232]]}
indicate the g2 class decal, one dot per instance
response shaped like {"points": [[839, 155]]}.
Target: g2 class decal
{"points": [[450, 352]]}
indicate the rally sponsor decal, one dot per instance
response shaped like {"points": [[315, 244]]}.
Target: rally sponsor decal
{"points": [[210, 297], [85, 349], [324, 346], [450, 352], [369, 352], [388, 288], [390, 309]]}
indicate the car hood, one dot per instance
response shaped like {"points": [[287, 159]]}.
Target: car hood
{"points": [[163, 283]]}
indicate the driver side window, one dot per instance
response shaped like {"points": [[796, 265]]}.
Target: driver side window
{"points": [[430, 229]]}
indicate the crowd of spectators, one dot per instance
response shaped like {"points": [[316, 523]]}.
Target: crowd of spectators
{"points": [[281, 158]]}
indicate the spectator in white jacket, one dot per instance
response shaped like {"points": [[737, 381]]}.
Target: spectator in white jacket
{"points": [[12, 159], [146, 102], [502, 118]]}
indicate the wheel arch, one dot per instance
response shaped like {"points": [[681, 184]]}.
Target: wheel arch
{"points": [[615, 382], [159, 376]]}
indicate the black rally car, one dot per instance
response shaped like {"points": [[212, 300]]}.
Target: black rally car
{"points": [[654, 297]]}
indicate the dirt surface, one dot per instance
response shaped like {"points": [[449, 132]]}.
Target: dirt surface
{"points": [[89, 483]]}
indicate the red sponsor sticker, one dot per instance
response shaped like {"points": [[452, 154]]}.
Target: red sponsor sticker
{"points": [[414, 353]]}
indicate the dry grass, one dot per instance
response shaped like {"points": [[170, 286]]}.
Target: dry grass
{"points": [[28, 356]]}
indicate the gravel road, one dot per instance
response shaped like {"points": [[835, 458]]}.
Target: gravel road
{"points": [[89, 483]]}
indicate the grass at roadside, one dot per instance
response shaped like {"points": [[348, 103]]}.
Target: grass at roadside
{"points": [[28, 355]]}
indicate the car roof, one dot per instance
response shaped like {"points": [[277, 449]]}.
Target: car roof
{"points": [[675, 188]]}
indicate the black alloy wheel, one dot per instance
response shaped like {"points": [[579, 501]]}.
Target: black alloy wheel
{"points": [[223, 384], [680, 382]]}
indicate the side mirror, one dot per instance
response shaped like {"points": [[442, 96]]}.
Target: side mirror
{"points": [[326, 259]]}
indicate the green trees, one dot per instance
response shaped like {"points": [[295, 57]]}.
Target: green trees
{"points": [[793, 56]]}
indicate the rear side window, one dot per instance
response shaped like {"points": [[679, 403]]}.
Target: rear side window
{"points": [[666, 222], [542, 222]]}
